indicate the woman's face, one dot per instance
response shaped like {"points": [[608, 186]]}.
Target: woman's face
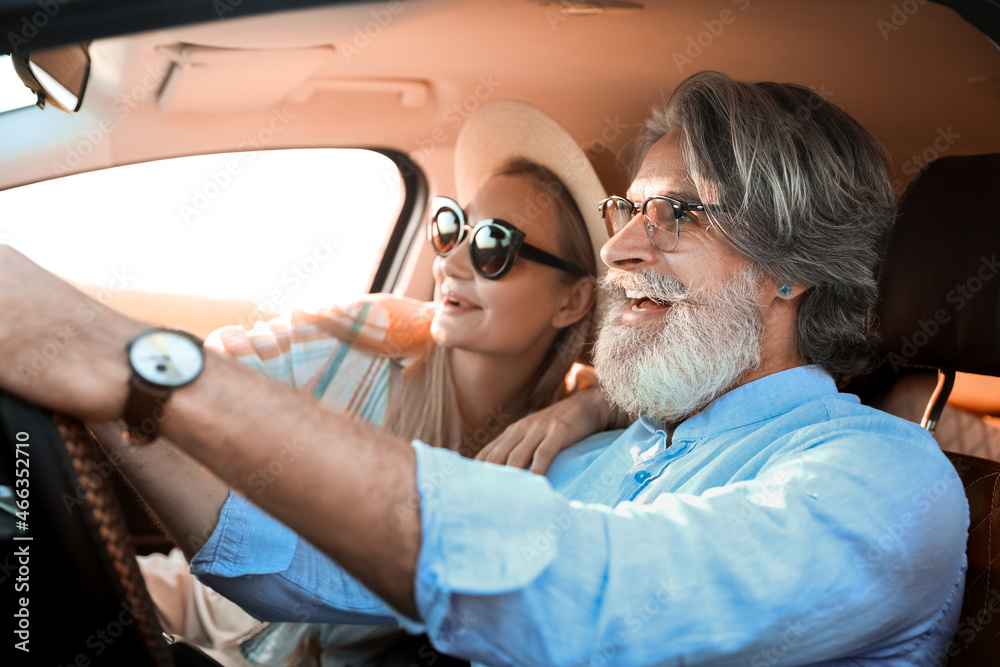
{"points": [[519, 312]]}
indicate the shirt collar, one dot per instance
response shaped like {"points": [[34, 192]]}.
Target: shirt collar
{"points": [[762, 399]]}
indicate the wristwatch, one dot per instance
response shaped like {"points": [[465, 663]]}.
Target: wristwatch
{"points": [[162, 360]]}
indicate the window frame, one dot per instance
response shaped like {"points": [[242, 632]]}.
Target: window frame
{"points": [[406, 232]]}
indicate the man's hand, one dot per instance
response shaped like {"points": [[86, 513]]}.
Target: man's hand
{"points": [[59, 347]]}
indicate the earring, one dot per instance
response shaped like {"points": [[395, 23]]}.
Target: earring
{"points": [[785, 290]]}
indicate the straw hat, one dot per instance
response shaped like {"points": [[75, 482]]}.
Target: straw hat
{"points": [[501, 131]]}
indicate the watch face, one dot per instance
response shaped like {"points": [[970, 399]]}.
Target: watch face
{"points": [[166, 358]]}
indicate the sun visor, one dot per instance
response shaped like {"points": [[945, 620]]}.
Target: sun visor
{"points": [[208, 80]]}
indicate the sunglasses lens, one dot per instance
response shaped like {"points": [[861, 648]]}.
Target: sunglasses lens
{"points": [[446, 226], [491, 250]]}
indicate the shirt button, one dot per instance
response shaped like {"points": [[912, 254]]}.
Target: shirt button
{"points": [[642, 476]]}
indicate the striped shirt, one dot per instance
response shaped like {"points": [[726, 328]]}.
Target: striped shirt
{"points": [[341, 355]]}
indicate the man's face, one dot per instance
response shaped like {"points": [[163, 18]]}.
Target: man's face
{"points": [[680, 327]]}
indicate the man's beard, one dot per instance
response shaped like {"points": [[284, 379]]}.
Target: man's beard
{"points": [[699, 349]]}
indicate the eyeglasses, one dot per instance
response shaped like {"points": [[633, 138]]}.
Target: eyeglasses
{"points": [[494, 245], [663, 217]]}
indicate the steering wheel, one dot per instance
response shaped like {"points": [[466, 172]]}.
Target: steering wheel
{"points": [[76, 596]]}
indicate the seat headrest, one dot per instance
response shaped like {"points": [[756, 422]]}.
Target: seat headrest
{"points": [[940, 285]]}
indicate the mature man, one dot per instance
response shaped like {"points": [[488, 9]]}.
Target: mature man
{"points": [[751, 515]]}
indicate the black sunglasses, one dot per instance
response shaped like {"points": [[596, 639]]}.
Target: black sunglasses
{"points": [[494, 245]]}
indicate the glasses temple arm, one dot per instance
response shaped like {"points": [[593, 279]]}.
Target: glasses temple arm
{"points": [[530, 252]]}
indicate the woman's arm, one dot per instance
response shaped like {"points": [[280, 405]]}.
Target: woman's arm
{"points": [[539, 437]]}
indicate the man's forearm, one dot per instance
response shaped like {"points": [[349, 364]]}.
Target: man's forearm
{"points": [[332, 480], [185, 497]]}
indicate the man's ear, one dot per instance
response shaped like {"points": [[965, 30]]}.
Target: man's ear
{"points": [[579, 298]]}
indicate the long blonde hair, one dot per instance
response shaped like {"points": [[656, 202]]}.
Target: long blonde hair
{"points": [[422, 400]]}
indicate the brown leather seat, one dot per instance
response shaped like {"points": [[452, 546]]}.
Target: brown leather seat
{"points": [[977, 641], [940, 309]]}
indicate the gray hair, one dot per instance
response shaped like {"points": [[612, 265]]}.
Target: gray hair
{"points": [[803, 192]]}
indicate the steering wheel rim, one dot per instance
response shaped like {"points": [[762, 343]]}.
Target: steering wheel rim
{"points": [[86, 599]]}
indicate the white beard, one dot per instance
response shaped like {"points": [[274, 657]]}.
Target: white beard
{"points": [[697, 351]]}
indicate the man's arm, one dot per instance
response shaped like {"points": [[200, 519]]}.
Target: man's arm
{"points": [[185, 497], [275, 575], [342, 490], [343, 497]]}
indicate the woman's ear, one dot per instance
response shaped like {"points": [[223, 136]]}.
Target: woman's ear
{"points": [[579, 299]]}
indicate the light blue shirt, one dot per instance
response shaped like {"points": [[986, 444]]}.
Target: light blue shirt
{"points": [[786, 524]]}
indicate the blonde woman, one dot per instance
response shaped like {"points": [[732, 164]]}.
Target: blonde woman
{"points": [[513, 307]]}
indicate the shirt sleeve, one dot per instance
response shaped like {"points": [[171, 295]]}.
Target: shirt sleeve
{"points": [[268, 570], [340, 354], [833, 551]]}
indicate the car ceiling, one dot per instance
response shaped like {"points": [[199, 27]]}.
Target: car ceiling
{"points": [[404, 75]]}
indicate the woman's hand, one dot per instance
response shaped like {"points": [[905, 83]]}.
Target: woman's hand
{"points": [[537, 438]]}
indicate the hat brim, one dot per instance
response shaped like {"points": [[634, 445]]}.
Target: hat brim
{"points": [[504, 130]]}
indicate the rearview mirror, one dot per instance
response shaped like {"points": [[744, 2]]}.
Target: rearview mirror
{"points": [[58, 76]]}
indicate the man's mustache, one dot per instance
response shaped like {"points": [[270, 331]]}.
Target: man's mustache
{"points": [[658, 287]]}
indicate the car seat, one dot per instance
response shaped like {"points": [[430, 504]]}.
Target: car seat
{"points": [[940, 309]]}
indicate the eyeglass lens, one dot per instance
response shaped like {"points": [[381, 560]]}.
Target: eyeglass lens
{"points": [[661, 221]]}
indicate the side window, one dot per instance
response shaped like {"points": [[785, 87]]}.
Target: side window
{"points": [[13, 93], [203, 241]]}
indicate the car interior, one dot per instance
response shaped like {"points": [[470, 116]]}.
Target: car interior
{"points": [[199, 163]]}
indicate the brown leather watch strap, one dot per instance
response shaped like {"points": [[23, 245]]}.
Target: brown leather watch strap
{"points": [[145, 407]]}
